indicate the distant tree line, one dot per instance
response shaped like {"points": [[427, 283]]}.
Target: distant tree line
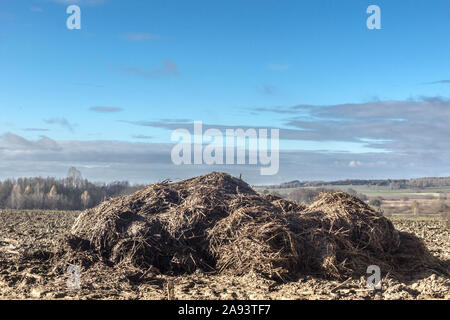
{"points": [[394, 184], [308, 195], [71, 193]]}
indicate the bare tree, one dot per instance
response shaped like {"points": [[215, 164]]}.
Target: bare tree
{"points": [[74, 177], [16, 198], [86, 199]]}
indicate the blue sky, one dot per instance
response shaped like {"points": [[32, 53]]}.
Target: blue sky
{"points": [[137, 67]]}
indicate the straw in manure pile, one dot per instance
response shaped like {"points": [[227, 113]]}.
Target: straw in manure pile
{"points": [[220, 224]]}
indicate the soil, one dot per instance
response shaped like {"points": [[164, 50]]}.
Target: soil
{"points": [[32, 235]]}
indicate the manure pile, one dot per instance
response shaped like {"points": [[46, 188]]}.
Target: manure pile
{"points": [[219, 224]]}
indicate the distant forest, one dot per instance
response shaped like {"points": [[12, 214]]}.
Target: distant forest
{"points": [[76, 193], [71, 193], [418, 183]]}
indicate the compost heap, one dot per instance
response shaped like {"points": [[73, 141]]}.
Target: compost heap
{"points": [[218, 223]]}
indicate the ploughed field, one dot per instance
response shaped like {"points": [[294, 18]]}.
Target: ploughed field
{"points": [[35, 233]]}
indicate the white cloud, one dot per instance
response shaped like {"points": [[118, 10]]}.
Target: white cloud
{"points": [[149, 162], [354, 164]]}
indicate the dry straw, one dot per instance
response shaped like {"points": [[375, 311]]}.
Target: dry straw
{"points": [[219, 224]]}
